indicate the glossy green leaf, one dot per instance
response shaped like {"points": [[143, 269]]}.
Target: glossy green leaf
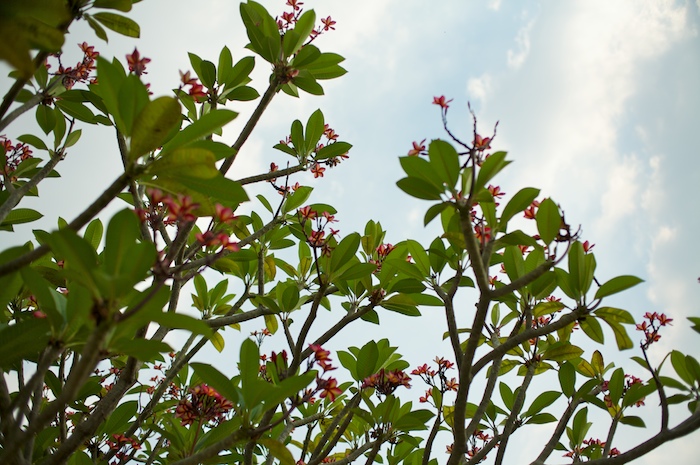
{"points": [[333, 150], [444, 159], [592, 328], [420, 189], [621, 337], [548, 220], [153, 124], [76, 110], [249, 367], [344, 251], [616, 385], [617, 284], [207, 73], [21, 215], [297, 198], [46, 118], [314, 129], [567, 379], [632, 420], [541, 402], [517, 204], [547, 308], [180, 321], [490, 168]]}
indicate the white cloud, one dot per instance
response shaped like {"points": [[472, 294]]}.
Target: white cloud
{"points": [[495, 5], [479, 88], [517, 57], [621, 198]]}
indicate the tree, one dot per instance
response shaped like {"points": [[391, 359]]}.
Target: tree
{"points": [[87, 308]]}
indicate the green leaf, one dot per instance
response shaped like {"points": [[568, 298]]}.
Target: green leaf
{"points": [[679, 364], [118, 23], [333, 150], [567, 379], [314, 129], [616, 385], [225, 65], [517, 204], [306, 82], [207, 73], [99, 30], [46, 118], [133, 97], [617, 284], [592, 328], [297, 198], [548, 220], [249, 367], [615, 314], [367, 360], [33, 140], [185, 161], [93, 233], [344, 251], [76, 110], [632, 420], [420, 189], [122, 231], [204, 126], [443, 157], [542, 401], [119, 420], [490, 168], [562, 352], [506, 395], [121, 5], [621, 337], [278, 451], [216, 379], [180, 321], [143, 349], [547, 308], [80, 258], [153, 124], [22, 340], [223, 190], [21, 215]]}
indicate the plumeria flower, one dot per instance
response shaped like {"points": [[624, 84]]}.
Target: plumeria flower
{"points": [[328, 23], [418, 148], [318, 170], [329, 388], [442, 102], [137, 65], [482, 143]]}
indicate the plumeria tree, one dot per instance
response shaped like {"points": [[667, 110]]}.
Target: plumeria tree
{"points": [[87, 375]]}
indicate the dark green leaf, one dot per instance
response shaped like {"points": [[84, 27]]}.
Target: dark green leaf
{"points": [[548, 220], [518, 203], [153, 124]]}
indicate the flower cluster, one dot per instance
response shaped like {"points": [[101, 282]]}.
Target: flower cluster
{"points": [[317, 237], [204, 405], [196, 90], [321, 357], [80, 72], [122, 442], [591, 447], [14, 155], [436, 378], [317, 167], [381, 253], [328, 388], [288, 19], [386, 382], [630, 381], [651, 325]]}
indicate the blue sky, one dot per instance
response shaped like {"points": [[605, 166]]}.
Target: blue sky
{"points": [[597, 102]]}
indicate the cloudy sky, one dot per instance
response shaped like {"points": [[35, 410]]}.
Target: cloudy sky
{"points": [[597, 102]]}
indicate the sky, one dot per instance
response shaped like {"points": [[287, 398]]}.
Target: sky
{"points": [[597, 105]]}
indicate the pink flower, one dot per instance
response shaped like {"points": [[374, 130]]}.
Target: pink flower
{"points": [[442, 102], [137, 65]]}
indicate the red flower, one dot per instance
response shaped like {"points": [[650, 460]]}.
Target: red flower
{"points": [[418, 147], [306, 213], [482, 143], [328, 23], [442, 102], [329, 388], [587, 246], [187, 80], [137, 65], [317, 170]]}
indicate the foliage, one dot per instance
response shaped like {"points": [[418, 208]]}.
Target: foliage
{"points": [[86, 308]]}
